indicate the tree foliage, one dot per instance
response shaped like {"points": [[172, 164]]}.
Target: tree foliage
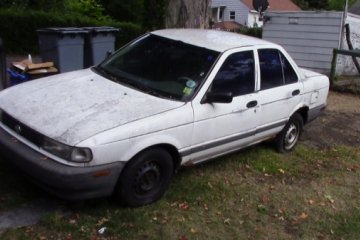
{"points": [[46, 5], [154, 14], [125, 10], [90, 8]]}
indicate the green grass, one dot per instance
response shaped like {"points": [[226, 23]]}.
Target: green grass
{"points": [[252, 194]]}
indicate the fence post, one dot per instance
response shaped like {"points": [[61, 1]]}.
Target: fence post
{"points": [[333, 67], [3, 79]]}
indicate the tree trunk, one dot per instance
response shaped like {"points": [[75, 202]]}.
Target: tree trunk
{"points": [[188, 14]]}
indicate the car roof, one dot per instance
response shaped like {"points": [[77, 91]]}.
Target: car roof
{"points": [[216, 40]]}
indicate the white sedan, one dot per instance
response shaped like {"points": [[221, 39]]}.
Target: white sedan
{"points": [[167, 99]]}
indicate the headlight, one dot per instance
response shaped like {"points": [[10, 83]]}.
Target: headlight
{"points": [[73, 154]]}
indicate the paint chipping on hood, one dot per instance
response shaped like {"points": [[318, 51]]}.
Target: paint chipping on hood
{"points": [[75, 106]]}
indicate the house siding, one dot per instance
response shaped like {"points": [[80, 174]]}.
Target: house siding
{"points": [[310, 41], [241, 10]]}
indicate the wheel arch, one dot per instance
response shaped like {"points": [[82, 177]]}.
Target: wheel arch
{"points": [[304, 112], [171, 149]]}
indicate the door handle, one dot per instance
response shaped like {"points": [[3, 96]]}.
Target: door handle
{"points": [[295, 92], [252, 104]]}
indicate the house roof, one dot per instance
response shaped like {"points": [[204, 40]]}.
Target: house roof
{"points": [[219, 41], [227, 25], [355, 8], [276, 5]]}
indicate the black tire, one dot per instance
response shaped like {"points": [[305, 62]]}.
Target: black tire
{"points": [[145, 178], [290, 135]]}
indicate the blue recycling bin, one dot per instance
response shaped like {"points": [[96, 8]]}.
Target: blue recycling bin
{"points": [[16, 77]]}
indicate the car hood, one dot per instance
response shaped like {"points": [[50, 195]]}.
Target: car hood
{"points": [[75, 106]]}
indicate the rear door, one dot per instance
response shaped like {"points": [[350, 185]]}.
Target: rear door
{"points": [[280, 90]]}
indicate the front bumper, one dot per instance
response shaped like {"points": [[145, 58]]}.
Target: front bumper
{"points": [[67, 182]]}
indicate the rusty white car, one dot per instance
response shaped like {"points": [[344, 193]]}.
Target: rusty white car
{"points": [[169, 98]]}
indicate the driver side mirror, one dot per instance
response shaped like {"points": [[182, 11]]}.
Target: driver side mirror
{"points": [[219, 97]]}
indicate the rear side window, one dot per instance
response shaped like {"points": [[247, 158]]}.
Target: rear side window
{"points": [[275, 69], [236, 75]]}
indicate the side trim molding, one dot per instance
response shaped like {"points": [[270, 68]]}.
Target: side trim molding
{"points": [[230, 139]]}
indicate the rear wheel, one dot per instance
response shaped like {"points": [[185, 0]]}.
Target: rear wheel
{"points": [[145, 178], [290, 135]]}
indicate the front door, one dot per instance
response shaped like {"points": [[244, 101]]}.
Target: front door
{"points": [[224, 127]]}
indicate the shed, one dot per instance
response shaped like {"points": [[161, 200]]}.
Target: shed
{"points": [[308, 36]]}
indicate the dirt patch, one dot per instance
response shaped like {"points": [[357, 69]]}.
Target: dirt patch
{"points": [[339, 125]]}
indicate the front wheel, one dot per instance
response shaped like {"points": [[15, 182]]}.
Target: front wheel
{"points": [[145, 178], [290, 135]]}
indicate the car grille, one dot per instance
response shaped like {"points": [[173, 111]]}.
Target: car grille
{"points": [[21, 129]]}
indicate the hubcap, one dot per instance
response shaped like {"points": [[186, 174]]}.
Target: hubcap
{"points": [[147, 178], [291, 137]]}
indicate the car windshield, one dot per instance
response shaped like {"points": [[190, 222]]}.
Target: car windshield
{"points": [[160, 66]]}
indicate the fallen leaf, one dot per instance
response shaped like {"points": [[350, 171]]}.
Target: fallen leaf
{"points": [[303, 216], [311, 202], [184, 206], [227, 221], [102, 221]]}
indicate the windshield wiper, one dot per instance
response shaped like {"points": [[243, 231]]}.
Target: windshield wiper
{"points": [[107, 74]]}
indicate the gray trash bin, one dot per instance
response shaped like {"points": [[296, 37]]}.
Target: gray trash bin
{"points": [[63, 46], [99, 41], [3, 77]]}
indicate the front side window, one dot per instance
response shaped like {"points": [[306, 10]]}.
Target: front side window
{"points": [[236, 75], [232, 15], [275, 69], [160, 66]]}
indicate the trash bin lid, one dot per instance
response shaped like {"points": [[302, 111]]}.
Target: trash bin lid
{"points": [[62, 30], [102, 29]]}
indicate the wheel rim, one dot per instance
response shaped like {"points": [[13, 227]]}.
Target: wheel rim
{"points": [[147, 179], [291, 136]]}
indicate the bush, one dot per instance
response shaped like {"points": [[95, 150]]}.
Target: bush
{"points": [[254, 32], [18, 27]]}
